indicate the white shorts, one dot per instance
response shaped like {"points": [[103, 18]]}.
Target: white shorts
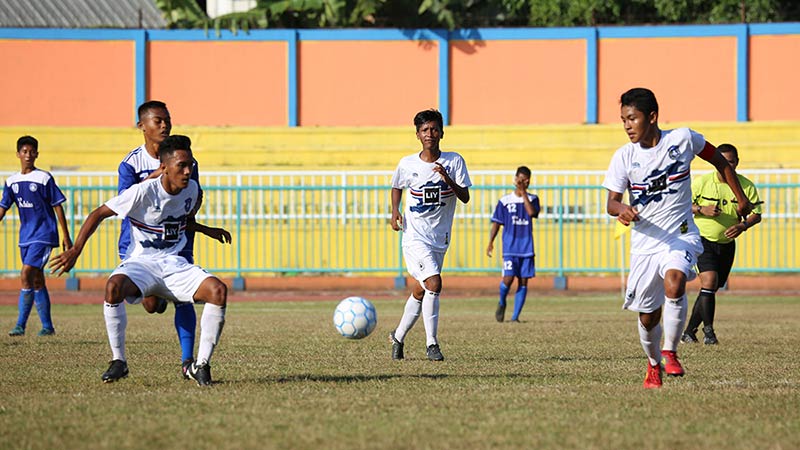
{"points": [[170, 278], [422, 262], [645, 292]]}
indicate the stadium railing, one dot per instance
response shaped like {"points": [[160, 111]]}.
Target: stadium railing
{"points": [[337, 222]]}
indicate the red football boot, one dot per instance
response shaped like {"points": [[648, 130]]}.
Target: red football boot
{"points": [[653, 378], [672, 366]]}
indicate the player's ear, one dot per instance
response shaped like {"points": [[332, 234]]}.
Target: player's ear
{"points": [[140, 125], [653, 117]]}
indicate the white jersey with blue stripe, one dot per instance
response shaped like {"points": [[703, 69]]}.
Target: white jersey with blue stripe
{"points": [[158, 219], [431, 203], [35, 194], [658, 181]]}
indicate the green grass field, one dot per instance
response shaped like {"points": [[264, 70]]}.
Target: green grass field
{"points": [[569, 376]]}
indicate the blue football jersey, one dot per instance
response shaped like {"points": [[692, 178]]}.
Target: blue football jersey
{"points": [[35, 195], [517, 224], [135, 168]]}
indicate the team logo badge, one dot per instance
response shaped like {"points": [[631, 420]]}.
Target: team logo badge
{"points": [[673, 152], [33, 187], [636, 165], [684, 227]]}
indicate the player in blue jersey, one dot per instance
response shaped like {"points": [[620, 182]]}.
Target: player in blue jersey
{"points": [[143, 163], [160, 212], [38, 201], [435, 180], [515, 213]]}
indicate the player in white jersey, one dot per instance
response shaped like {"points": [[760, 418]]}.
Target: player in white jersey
{"points": [[160, 210], [434, 180], [654, 169]]}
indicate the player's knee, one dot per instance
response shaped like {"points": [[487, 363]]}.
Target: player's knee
{"points": [[434, 283], [674, 283], [217, 293], [115, 290]]}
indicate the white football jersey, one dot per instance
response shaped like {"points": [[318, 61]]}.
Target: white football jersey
{"points": [[658, 182], [158, 219], [430, 203]]}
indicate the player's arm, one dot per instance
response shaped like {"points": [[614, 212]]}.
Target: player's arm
{"points": [[397, 218], [66, 261], [712, 155], [623, 212], [2, 213], [219, 234], [462, 193], [66, 242], [492, 235]]}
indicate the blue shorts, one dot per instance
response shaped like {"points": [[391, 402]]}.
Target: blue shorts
{"points": [[519, 266], [35, 255]]}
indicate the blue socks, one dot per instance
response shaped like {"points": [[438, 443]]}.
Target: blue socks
{"points": [[25, 306], [42, 300], [503, 294], [519, 301], [185, 325]]}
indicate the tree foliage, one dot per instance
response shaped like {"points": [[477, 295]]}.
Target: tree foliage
{"points": [[453, 14]]}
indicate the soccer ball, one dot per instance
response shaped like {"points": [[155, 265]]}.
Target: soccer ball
{"points": [[355, 317]]}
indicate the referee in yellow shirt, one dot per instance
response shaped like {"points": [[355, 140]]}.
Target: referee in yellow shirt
{"points": [[714, 208]]}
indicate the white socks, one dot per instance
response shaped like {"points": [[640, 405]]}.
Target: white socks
{"points": [[211, 323], [116, 322], [674, 314], [651, 341], [410, 316], [430, 316]]}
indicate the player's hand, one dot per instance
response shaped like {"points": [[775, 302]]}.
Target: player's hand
{"points": [[64, 262], [743, 209], [489, 250], [628, 215], [66, 244], [710, 210], [220, 234], [154, 174], [438, 168], [397, 221]]}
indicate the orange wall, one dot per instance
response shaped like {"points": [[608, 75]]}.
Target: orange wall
{"points": [[67, 83], [518, 82], [220, 83], [693, 78], [774, 93], [379, 83]]}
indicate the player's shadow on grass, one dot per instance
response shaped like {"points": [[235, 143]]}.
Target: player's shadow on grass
{"points": [[349, 378]]}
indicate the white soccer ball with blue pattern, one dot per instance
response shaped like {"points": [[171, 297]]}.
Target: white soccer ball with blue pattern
{"points": [[355, 317]]}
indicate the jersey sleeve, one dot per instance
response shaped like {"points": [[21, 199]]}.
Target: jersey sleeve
{"points": [[54, 193], [698, 141], [398, 180], [123, 203], [500, 212], [616, 176], [126, 177], [461, 174], [8, 197]]}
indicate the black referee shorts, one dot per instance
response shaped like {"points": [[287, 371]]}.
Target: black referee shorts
{"points": [[718, 258]]}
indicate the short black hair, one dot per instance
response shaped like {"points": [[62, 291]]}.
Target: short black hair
{"points": [[729, 148], [27, 140], [429, 115], [642, 99], [147, 106], [173, 143], [523, 170]]}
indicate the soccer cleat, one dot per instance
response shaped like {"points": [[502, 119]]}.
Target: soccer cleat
{"points": [[672, 366], [689, 336], [653, 378], [116, 370], [434, 354], [201, 374], [710, 337], [187, 363], [500, 313], [397, 347], [46, 332], [17, 331]]}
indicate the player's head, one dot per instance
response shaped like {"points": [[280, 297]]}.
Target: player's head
{"points": [[27, 151], [177, 163], [730, 153], [430, 128], [639, 114], [522, 177], [154, 121]]}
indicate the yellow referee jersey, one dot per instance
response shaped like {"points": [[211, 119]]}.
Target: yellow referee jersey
{"points": [[709, 190]]}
